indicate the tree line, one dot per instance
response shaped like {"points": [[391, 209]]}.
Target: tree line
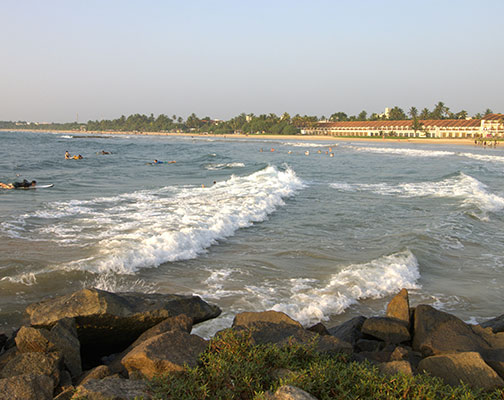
{"points": [[244, 123]]}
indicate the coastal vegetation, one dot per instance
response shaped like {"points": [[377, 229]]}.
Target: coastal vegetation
{"points": [[244, 123], [233, 367]]}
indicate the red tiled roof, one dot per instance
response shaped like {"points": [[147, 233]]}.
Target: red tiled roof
{"points": [[489, 117], [401, 123]]}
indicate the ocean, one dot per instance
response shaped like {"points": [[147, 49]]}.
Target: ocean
{"points": [[320, 238]]}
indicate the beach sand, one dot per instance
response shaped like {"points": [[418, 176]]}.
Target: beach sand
{"points": [[458, 141]]}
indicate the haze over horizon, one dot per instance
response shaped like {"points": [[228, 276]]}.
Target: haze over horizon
{"points": [[219, 59]]}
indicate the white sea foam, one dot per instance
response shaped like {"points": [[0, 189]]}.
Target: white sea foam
{"points": [[462, 186], [403, 151], [310, 300], [27, 279], [483, 157], [224, 165], [308, 144], [147, 228], [426, 153]]}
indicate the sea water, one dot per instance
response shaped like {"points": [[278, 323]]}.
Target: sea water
{"points": [[320, 238]]}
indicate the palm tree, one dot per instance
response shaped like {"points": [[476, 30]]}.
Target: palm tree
{"points": [[413, 112]]}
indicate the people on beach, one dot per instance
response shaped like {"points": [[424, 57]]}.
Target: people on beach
{"points": [[18, 185]]}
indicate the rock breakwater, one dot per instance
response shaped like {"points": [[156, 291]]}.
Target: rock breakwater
{"points": [[100, 345]]}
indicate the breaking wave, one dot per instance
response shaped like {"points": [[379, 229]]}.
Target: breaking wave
{"points": [[310, 300], [461, 186], [150, 227]]}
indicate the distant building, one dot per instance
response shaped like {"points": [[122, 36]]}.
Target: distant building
{"points": [[491, 125]]}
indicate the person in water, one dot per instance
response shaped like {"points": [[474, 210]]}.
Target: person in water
{"points": [[67, 155], [79, 157], [103, 152], [18, 185]]}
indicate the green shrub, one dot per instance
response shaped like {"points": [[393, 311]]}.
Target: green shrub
{"points": [[234, 368]]}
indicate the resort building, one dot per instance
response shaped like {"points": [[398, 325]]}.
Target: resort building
{"points": [[490, 126]]}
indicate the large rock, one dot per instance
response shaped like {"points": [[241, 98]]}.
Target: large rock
{"points": [[112, 388], [7, 356], [396, 367], [62, 338], [248, 319], [468, 367], [495, 340], [399, 307], [389, 330], [272, 327], [99, 372], [288, 392], [179, 323], [34, 364], [495, 359], [349, 331], [437, 332], [497, 324], [115, 320], [26, 387], [167, 352]]}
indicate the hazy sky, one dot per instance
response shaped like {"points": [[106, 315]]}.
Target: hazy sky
{"points": [[105, 58]]}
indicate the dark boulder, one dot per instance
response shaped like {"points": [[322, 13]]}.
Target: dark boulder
{"points": [[349, 331], [99, 372], [164, 353], [109, 322], [437, 332], [273, 327], [389, 330], [319, 328], [3, 339], [113, 388], [35, 364], [468, 367], [495, 340], [61, 338], [396, 367], [26, 386], [497, 324]]}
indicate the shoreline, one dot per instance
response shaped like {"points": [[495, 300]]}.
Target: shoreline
{"points": [[444, 141]]}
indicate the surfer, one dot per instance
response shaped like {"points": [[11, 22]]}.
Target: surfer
{"points": [[18, 185]]}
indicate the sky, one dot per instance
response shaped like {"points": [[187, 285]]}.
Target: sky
{"points": [[63, 60]]}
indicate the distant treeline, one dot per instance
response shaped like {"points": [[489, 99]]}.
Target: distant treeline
{"points": [[243, 123]]}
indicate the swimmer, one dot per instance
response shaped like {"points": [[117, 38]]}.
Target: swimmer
{"points": [[272, 149], [307, 153], [79, 157], [67, 155], [18, 185], [331, 155], [103, 152], [289, 152]]}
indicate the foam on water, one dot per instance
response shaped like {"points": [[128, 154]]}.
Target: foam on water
{"points": [[311, 300], [150, 227], [461, 186], [402, 152], [224, 166], [426, 153], [308, 144]]}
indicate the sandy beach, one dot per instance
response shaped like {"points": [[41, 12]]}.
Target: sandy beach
{"points": [[457, 141]]}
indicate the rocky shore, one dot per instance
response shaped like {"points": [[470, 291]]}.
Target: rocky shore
{"points": [[98, 345]]}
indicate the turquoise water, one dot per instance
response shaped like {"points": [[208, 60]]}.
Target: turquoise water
{"points": [[321, 238]]}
